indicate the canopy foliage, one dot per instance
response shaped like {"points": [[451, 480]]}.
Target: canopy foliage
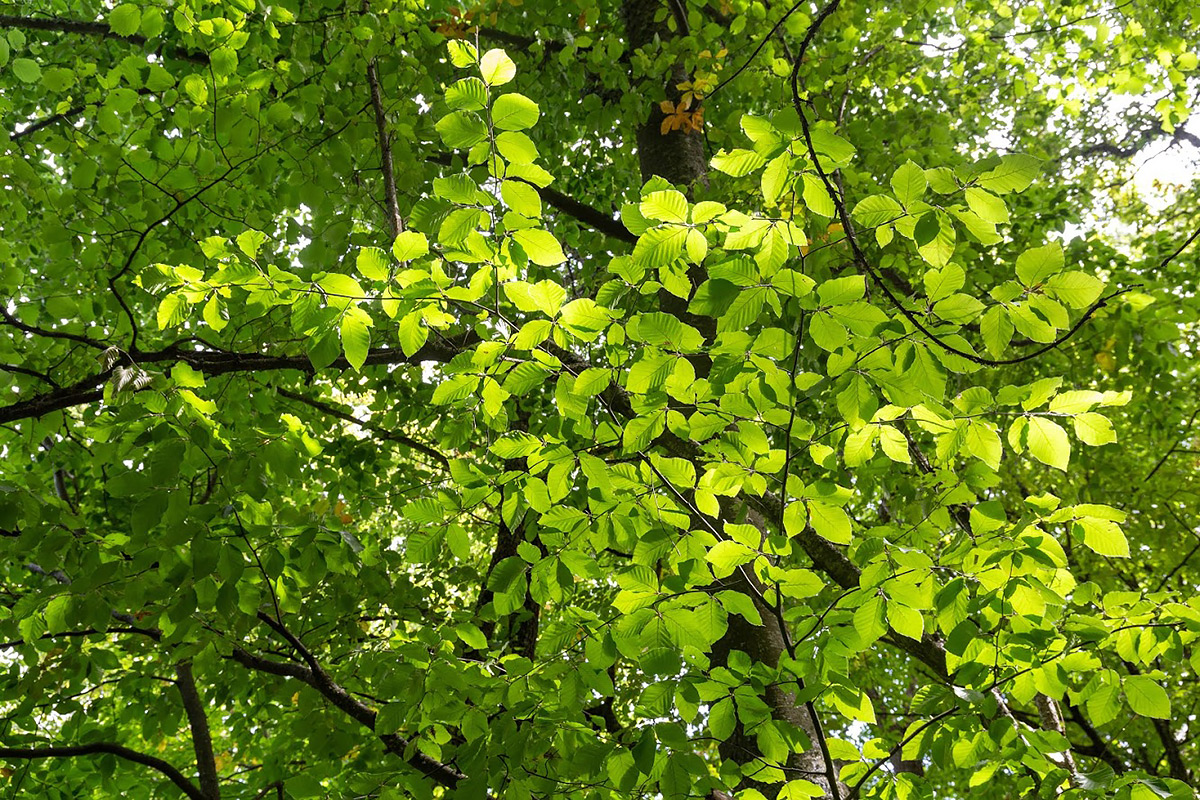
{"points": [[598, 399]]}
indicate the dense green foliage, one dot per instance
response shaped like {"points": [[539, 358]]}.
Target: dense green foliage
{"points": [[594, 399]]}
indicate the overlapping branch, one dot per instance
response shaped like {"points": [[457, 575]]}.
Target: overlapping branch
{"points": [[593, 217], [88, 28], [377, 430], [313, 674], [210, 362], [105, 748], [193, 706]]}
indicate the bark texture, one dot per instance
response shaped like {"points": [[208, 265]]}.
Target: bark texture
{"points": [[678, 155]]}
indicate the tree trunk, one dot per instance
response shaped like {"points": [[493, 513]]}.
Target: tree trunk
{"points": [[679, 157]]}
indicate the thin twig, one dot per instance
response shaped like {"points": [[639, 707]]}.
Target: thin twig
{"points": [[395, 221]]}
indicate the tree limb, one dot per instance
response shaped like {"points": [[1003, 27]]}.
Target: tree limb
{"points": [[206, 764], [395, 222], [594, 218], [104, 748], [86, 28], [378, 430], [90, 389], [316, 677]]}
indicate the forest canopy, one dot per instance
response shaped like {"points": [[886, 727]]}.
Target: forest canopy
{"points": [[599, 399]]}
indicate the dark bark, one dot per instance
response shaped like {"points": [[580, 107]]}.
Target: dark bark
{"points": [[678, 155], [104, 748], [765, 644], [193, 705], [89, 28]]}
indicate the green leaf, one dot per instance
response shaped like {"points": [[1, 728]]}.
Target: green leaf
{"points": [[1076, 289], [877, 209], [172, 310], [1103, 536], [660, 246], [1048, 443], [828, 333], [467, 94], [373, 263], [410, 245], [829, 521], [997, 330], [471, 636], [842, 291], [519, 149], [816, 196], [958, 308], [666, 206], [799, 789], [905, 621], [726, 556], [1036, 265], [514, 112], [462, 54], [1094, 429], [1104, 704], [1146, 697], [461, 130], [541, 246], [744, 309], [650, 372], [985, 204], [908, 183], [544, 296], [412, 333], [340, 289], [584, 316], [196, 88], [521, 198], [737, 162], [497, 68], [870, 621], [356, 335], [125, 19], [1015, 173], [941, 283], [27, 70], [250, 241], [938, 248]]}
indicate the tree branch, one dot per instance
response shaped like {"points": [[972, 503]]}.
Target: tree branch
{"points": [[860, 259], [1140, 142], [381, 432], [104, 748], [85, 28], [46, 122], [11, 321], [206, 764], [90, 389], [316, 677], [594, 218], [395, 222]]}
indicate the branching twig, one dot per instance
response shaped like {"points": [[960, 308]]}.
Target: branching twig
{"points": [[315, 676], [860, 258]]}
